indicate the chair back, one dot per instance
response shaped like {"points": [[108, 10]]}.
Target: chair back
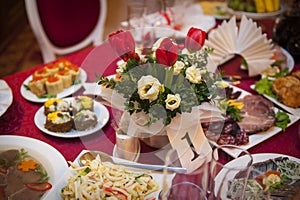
{"points": [[66, 26]]}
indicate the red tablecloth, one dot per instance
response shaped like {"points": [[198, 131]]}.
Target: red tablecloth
{"points": [[18, 120]]}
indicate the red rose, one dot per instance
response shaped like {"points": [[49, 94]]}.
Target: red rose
{"points": [[195, 39], [167, 52], [122, 43]]}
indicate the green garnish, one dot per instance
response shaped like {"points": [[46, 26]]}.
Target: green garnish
{"points": [[264, 86], [26, 87], [282, 73], [84, 172], [44, 175], [282, 120], [139, 176], [48, 96], [22, 154], [77, 81], [234, 113]]}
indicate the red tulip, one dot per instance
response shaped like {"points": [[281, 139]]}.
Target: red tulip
{"points": [[167, 52], [195, 39], [122, 43]]}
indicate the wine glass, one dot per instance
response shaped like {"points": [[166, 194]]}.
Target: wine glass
{"points": [[222, 173], [184, 186]]}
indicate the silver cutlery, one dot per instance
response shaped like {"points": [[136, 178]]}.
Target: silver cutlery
{"points": [[90, 155]]}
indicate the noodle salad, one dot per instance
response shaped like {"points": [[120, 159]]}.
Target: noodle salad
{"points": [[104, 180]]}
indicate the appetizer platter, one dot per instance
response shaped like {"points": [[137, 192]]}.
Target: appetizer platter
{"points": [[282, 90], [254, 128], [33, 160], [6, 97], [282, 172], [55, 80], [109, 184], [284, 64], [71, 117], [294, 111]]}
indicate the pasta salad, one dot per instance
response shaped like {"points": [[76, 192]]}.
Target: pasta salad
{"points": [[105, 180]]}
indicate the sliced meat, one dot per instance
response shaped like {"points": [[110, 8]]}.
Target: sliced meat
{"points": [[25, 194], [7, 158], [258, 114], [17, 179]]}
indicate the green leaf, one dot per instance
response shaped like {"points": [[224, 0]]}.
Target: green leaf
{"points": [[282, 120], [48, 96], [169, 77], [26, 87], [264, 86]]}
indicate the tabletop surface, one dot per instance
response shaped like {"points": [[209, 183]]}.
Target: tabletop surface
{"points": [[18, 120]]}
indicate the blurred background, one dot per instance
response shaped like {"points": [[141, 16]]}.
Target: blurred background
{"points": [[19, 49]]}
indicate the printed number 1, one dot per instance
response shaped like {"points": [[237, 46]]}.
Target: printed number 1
{"points": [[188, 139]]}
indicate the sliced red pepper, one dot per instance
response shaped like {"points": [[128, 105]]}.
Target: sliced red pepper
{"points": [[116, 193], [167, 17], [3, 171], [39, 186]]}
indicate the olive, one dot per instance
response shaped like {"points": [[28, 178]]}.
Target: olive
{"points": [[250, 7], [242, 6]]}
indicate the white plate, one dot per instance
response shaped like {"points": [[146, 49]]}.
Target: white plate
{"points": [[212, 7], [27, 94], [255, 15], [194, 17], [204, 22], [101, 113], [261, 157], [6, 97], [290, 63], [158, 176], [51, 159], [294, 111], [256, 138]]}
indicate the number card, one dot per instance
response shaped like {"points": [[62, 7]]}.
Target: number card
{"points": [[192, 146]]}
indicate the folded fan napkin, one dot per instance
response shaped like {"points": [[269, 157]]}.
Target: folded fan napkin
{"points": [[246, 40]]}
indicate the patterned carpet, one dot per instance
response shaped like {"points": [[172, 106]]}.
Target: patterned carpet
{"points": [[21, 53]]}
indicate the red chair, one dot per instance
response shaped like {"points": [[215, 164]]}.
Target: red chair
{"points": [[65, 26]]}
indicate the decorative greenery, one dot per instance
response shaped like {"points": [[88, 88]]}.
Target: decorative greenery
{"points": [[282, 120], [264, 86], [172, 81]]}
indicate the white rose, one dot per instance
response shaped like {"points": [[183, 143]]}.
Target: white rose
{"points": [[178, 66], [173, 101], [148, 88], [121, 66], [193, 74]]}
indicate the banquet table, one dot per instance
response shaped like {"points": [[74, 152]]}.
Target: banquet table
{"points": [[19, 118]]}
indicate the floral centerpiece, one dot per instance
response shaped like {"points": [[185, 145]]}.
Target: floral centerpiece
{"points": [[172, 76], [165, 87]]}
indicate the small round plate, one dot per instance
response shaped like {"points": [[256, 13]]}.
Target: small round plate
{"points": [[28, 95], [101, 113], [6, 97]]}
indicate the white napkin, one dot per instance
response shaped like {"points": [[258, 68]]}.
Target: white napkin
{"points": [[246, 40]]}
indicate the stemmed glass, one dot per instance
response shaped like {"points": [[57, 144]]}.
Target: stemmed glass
{"points": [[184, 186], [222, 173], [139, 25]]}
